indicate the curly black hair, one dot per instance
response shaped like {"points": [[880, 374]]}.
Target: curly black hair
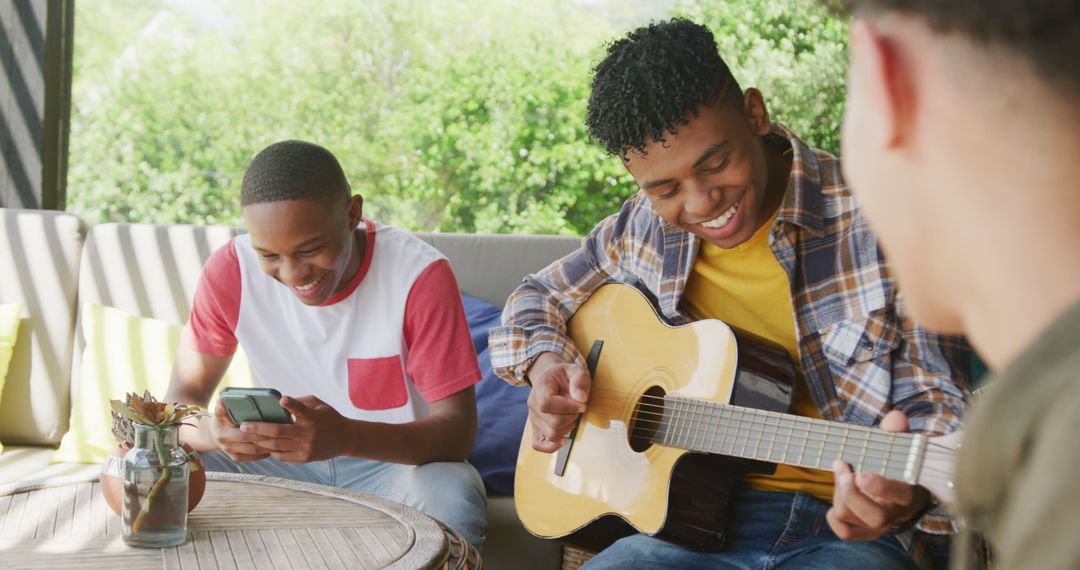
{"points": [[293, 170], [653, 80]]}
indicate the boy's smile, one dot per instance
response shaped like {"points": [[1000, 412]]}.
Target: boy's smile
{"points": [[307, 245], [312, 288], [726, 224]]}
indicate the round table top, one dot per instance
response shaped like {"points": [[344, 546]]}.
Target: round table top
{"points": [[243, 521]]}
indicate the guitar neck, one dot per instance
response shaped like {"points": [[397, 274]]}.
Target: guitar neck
{"points": [[710, 427]]}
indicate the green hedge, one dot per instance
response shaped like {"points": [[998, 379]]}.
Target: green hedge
{"points": [[451, 116]]}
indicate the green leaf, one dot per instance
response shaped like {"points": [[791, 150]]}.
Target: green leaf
{"points": [[122, 409]]}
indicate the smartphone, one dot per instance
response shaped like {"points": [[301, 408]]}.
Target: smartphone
{"points": [[254, 405]]}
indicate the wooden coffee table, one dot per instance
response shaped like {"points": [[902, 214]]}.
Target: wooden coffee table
{"points": [[243, 521]]}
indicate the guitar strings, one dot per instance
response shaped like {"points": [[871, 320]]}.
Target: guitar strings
{"points": [[898, 442], [771, 437], [705, 410], [744, 429], [718, 408], [875, 441], [624, 435], [868, 460]]}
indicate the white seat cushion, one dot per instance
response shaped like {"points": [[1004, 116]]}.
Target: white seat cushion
{"points": [[39, 264]]}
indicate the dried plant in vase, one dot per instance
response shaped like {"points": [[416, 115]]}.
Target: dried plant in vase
{"points": [[146, 432]]}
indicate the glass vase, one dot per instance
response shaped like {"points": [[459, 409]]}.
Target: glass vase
{"points": [[155, 495]]}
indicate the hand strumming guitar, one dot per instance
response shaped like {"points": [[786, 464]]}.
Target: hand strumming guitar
{"points": [[560, 391]]}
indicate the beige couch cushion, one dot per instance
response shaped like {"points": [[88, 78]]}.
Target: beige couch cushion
{"points": [[32, 463], [145, 270], [39, 260], [490, 266]]}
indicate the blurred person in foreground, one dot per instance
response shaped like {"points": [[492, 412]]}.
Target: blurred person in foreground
{"points": [[962, 143]]}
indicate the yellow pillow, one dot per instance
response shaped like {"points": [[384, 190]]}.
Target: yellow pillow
{"points": [[123, 353], [9, 331]]}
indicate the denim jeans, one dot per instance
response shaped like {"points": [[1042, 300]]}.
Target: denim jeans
{"points": [[767, 530], [452, 492]]}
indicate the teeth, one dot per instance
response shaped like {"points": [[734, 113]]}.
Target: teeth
{"points": [[723, 219], [308, 286]]}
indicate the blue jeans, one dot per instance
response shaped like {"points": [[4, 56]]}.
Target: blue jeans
{"points": [[449, 491], [766, 530]]}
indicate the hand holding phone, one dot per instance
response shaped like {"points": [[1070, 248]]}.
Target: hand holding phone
{"points": [[320, 432], [231, 440], [254, 405]]}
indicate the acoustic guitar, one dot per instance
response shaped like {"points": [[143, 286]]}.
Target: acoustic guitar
{"points": [[676, 416]]}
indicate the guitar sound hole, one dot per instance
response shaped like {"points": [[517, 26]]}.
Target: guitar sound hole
{"points": [[648, 412]]}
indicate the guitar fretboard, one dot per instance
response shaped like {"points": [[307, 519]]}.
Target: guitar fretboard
{"points": [[711, 427]]}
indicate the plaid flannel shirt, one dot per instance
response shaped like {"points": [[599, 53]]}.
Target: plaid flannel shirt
{"points": [[860, 355]]}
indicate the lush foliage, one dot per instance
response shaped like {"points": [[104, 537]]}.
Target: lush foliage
{"points": [[446, 115], [794, 51]]}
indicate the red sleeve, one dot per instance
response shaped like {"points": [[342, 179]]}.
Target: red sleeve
{"points": [[442, 358], [216, 308]]}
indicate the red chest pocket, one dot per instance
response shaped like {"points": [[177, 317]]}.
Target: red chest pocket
{"points": [[377, 383]]}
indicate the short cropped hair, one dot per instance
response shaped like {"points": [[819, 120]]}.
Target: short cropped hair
{"points": [[1045, 33], [293, 170], [653, 80]]}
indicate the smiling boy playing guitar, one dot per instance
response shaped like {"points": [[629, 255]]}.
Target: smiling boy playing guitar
{"points": [[659, 391], [738, 220]]}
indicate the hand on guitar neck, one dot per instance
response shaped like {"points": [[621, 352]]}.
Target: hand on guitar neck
{"points": [[867, 506], [560, 392]]}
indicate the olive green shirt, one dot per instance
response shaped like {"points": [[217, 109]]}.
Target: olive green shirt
{"points": [[1018, 473]]}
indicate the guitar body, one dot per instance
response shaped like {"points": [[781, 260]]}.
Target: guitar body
{"points": [[615, 481]]}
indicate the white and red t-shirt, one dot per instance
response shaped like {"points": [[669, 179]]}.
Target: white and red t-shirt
{"points": [[393, 340]]}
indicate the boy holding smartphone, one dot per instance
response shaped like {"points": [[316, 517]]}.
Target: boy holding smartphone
{"points": [[360, 326]]}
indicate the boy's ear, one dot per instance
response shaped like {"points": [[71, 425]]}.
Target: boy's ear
{"points": [[356, 210], [879, 85], [756, 112]]}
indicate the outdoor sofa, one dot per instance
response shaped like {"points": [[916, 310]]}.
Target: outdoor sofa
{"points": [[56, 265]]}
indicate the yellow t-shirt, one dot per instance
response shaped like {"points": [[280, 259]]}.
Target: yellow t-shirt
{"points": [[748, 289]]}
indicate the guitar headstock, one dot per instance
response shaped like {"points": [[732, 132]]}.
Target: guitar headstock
{"points": [[939, 466]]}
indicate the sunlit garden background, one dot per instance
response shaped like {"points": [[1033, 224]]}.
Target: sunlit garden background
{"points": [[447, 115]]}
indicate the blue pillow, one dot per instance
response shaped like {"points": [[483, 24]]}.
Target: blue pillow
{"points": [[500, 407]]}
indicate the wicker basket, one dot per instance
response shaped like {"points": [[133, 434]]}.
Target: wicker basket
{"points": [[573, 557], [460, 554]]}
